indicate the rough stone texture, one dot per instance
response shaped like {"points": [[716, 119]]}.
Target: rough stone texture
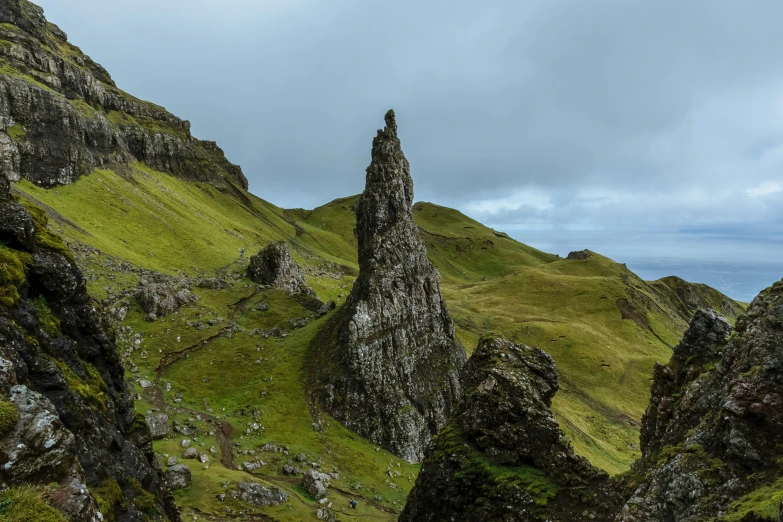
{"points": [[274, 266], [16, 228], [159, 299], [51, 332], [505, 420], [159, 425], [41, 446], [257, 495], [388, 363], [714, 429], [69, 117], [315, 483], [178, 476]]}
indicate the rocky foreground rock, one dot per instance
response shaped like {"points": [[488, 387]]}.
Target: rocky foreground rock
{"points": [[274, 266], [502, 456], [66, 416], [62, 116], [711, 438], [388, 363]]}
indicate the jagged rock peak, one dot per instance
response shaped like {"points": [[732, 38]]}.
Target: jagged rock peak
{"points": [[504, 425], [713, 433], [388, 362], [62, 116], [274, 266]]}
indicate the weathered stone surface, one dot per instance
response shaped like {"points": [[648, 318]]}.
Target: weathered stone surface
{"points": [[505, 420], [713, 431], [16, 225], [178, 476], [388, 363], [274, 266], [41, 446], [74, 119], [159, 425], [162, 299], [258, 495], [315, 483], [78, 437]]}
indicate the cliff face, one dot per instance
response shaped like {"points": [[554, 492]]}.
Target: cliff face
{"points": [[712, 437], [66, 416], [502, 456], [388, 363], [62, 116]]}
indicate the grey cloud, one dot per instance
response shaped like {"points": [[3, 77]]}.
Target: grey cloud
{"points": [[654, 100]]}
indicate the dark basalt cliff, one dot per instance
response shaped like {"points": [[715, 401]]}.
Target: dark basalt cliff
{"points": [[502, 456], [387, 365], [711, 438], [62, 116], [66, 417]]}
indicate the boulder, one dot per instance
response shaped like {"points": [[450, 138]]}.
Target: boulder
{"points": [[159, 425], [258, 495], [274, 266], [315, 483], [160, 299], [190, 453], [178, 477]]}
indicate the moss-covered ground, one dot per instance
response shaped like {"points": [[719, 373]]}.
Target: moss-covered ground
{"points": [[603, 325]]}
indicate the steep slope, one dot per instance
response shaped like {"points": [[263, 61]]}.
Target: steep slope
{"points": [[67, 421], [387, 364], [62, 116]]}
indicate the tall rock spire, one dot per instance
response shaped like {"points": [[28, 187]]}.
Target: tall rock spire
{"points": [[388, 365]]}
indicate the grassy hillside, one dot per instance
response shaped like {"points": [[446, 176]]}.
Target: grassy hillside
{"points": [[603, 325]]}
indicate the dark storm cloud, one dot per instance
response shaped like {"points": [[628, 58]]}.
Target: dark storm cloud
{"points": [[570, 114]]}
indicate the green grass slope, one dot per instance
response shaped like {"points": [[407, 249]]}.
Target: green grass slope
{"points": [[604, 326]]}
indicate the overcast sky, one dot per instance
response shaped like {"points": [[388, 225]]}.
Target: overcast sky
{"points": [[636, 128]]}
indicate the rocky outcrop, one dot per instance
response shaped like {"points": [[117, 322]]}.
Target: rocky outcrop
{"points": [[274, 266], [502, 456], [712, 437], [258, 495], [59, 368], [159, 299], [579, 255], [388, 363], [62, 116]]}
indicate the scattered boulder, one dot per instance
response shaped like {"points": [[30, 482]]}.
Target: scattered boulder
{"points": [[274, 266], [290, 469], [159, 425], [178, 477], [258, 495], [388, 364], [172, 461], [327, 307], [190, 453], [212, 283], [160, 299], [315, 483]]}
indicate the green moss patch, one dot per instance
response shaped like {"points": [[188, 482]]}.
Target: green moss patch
{"points": [[27, 504], [9, 416], [16, 132]]}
